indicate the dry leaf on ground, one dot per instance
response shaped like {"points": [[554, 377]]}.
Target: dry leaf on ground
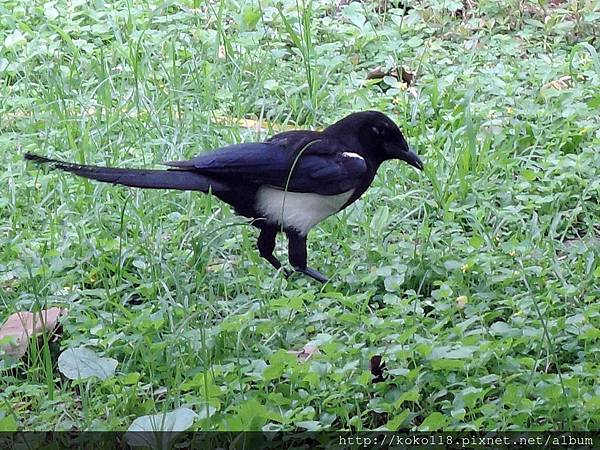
{"points": [[20, 326], [306, 353]]}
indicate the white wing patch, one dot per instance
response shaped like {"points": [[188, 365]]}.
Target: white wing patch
{"points": [[297, 210], [352, 155]]}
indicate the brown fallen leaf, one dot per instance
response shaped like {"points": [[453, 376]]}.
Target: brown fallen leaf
{"points": [[306, 353], [407, 76], [376, 73], [21, 326], [400, 73], [560, 84]]}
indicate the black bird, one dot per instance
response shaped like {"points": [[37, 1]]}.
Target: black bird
{"points": [[289, 183]]}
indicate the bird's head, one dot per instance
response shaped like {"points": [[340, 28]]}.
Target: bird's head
{"points": [[379, 136]]}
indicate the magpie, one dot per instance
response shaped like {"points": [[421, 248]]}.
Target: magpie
{"points": [[288, 184]]}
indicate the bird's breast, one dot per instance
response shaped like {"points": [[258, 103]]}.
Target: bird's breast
{"points": [[300, 211]]}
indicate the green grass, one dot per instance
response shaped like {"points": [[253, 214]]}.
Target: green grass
{"points": [[477, 280]]}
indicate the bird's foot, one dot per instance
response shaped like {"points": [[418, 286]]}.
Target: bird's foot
{"points": [[315, 275]]}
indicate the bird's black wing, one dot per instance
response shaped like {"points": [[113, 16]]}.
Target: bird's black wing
{"points": [[319, 166]]}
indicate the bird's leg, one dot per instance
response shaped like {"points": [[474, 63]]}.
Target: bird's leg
{"points": [[297, 256], [266, 245]]}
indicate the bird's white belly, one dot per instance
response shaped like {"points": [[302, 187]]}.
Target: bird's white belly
{"points": [[300, 211]]}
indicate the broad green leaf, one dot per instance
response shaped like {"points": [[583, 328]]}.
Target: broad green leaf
{"points": [[14, 39], [142, 431], [7, 423], [434, 422], [81, 362], [310, 425], [398, 419], [250, 17]]}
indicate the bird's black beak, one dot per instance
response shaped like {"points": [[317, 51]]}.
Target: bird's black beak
{"points": [[406, 155], [411, 158]]}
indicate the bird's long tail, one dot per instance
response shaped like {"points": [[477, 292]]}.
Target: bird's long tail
{"points": [[142, 178]]}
